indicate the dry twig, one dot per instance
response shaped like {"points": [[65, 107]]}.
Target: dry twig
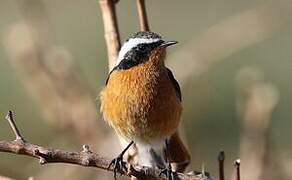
{"points": [[111, 30], [237, 169], [221, 158], [144, 25], [83, 158], [9, 118]]}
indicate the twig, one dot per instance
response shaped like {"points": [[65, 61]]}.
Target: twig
{"points": [[221, 158], [83, 158], [144, 25], [237, 169], [10, 119], [111, 30]]}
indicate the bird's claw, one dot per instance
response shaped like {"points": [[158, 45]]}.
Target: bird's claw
{"points": [[118, 165]]}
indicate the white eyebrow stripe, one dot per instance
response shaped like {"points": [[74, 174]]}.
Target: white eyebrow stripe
{"points": [[132, 43]]}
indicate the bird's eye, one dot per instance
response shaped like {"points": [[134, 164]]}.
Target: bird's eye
{"points": [[142, 48]]}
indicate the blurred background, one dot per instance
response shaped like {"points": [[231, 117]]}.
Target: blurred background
{"points": [[233, 63]]}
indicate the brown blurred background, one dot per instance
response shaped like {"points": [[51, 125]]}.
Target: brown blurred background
{"points": [[233, 61]]}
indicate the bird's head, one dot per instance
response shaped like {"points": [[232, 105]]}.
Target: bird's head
{"points": [[138, 48]]}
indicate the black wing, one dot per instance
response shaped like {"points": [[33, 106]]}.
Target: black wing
{"points": [[108, 76], [106, 81], [174, 83]]}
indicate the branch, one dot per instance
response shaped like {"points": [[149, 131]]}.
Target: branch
{"points": [[83, 158], [221, 158], [144, 25], [237, 169], [256, 101], [111, 30]]}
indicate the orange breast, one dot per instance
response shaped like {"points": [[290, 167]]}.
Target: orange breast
{"points": [[141, 103]]}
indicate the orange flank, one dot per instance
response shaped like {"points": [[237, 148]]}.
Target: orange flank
{"points": [[141, 102]]}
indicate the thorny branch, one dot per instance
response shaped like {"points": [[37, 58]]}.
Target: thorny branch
{"points": [[82, 158]]}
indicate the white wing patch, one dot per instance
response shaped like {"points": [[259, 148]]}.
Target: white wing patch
{"points": [[132, 43]]}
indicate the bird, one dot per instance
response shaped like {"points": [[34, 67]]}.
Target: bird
{"points": [[142, 102]]}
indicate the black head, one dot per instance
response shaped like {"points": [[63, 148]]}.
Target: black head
{"points": [[138, 47]]}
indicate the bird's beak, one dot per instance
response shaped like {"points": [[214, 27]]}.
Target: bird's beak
{"points": [[168, 43]]}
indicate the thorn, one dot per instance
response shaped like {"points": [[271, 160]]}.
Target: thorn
{"points": [[203, 170], [85, 149], [237, 162], [10, 119], [42, 161]]}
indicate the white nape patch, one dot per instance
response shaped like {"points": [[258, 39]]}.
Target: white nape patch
{"points": [[132, 43]]}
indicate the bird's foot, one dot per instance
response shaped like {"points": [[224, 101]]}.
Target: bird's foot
{"points": [[118, 164], [167, 171]]}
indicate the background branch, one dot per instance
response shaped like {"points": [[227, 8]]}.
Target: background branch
{"points": [[50, 76], [256, 102], [111, 30], [144, 25]]}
